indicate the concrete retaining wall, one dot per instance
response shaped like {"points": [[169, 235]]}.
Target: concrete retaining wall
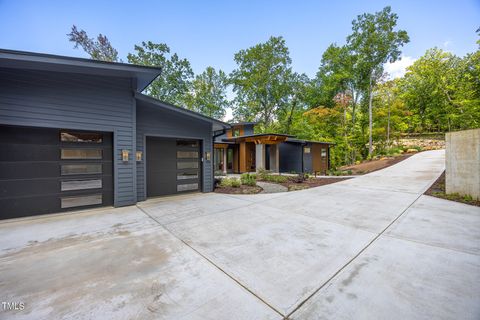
{"points": [[463, 162]]}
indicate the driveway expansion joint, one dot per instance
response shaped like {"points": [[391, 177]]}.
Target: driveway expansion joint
{"points": [[214, 265], [353, 259]]}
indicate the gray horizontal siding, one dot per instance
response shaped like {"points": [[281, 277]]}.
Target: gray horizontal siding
{"points": [[155, 121], [75, 101]]}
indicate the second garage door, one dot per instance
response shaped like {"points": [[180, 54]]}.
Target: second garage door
{"points": [[173, 166]]}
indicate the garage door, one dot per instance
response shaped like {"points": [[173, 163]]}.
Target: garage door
{"points": [[52, 170], [173, 166]]}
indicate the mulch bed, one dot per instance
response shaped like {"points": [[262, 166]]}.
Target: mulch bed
{"points": [[374, 165], [243, 189], [311, 183], [438, 190]]}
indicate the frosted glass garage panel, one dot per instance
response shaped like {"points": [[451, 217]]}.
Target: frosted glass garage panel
{"points": [[81, 184], [81, 154], [80, 201], [187, 175], [90, 168], [187, 165], [187, 187], [187, 154], [81, 137]]}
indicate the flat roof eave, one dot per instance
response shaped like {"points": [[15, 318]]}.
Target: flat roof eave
{"points": [[143, 75]]}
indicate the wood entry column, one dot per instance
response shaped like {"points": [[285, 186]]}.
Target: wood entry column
{"points": [[242, 157]]}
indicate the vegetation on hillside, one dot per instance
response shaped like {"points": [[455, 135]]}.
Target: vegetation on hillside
{"points": [[351, 101]]}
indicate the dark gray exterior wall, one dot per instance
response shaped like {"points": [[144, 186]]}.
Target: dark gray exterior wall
{"points": [[290, 157], [307, 159], [76, 101], [154, 121], [248, 129]]}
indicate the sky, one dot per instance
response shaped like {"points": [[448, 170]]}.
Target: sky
{"points": [[209, 33]]}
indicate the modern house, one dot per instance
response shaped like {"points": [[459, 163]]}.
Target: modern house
{"points": [[240, 150], [77, 133]]}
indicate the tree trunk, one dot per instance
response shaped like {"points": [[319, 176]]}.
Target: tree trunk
{"points": [[370, 120], [388, 121], [290, 116]]}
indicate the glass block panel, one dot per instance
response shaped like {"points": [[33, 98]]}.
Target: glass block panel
{"points": [[187, 143], [81, 154], [187, 175], [187, 154], [81, 184], [187, 165], [90, 168], [187, 187], [68, 136], [70, 202]]}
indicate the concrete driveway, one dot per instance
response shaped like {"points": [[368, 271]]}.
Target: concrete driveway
{"points": [[372, 247]]}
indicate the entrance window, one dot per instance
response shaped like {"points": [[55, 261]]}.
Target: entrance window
{"points": [[229, 159], [218, 161]]}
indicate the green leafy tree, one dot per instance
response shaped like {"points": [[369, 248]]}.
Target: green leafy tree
{"points": [[442, 90], [295, 104], [174, 82], [374, 42], [209, 93], [98, 49], [391, 114], [261, 81]]}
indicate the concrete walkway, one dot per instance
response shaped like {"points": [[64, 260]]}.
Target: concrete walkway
{"points": [[367, 248]]}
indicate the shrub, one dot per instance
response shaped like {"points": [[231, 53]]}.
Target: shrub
{"points": [[230, 182], [248, 179], [236, 183], [262, 174], [275, 178]]}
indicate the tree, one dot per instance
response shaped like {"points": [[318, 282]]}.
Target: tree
{"points": [[99, 49], [391, 112], [261, 81], [209, 93], [443, 91], [174, 82], [341, 74], [375, 42], [294, 104]]}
